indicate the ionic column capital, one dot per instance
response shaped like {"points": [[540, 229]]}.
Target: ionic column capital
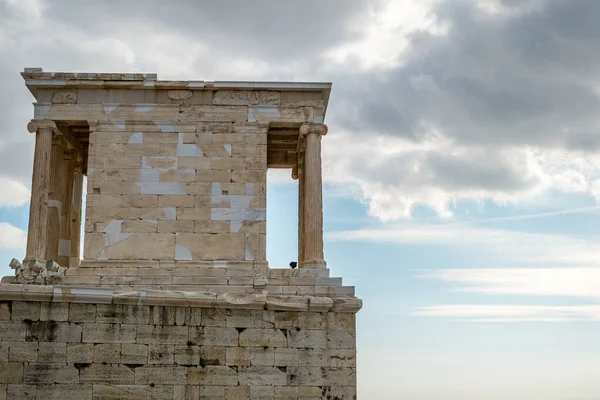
{"points": [[313, 128], [36, 124]]}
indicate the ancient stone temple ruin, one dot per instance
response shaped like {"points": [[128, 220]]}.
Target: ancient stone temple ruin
{"points": [[174, 297]]}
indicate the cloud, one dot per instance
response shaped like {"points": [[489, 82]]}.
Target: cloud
{"points": [[511, 246], [512, 313], [433, 101], [13, 193], [11, 237], [572, 282]]}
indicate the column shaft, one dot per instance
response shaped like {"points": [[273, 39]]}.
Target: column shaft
{"points": [[40, 183], [313, 197], [64, 246], [55, 198], [300, 215], [75, 220]]}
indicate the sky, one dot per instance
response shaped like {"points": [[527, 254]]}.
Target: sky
{"points": [[461, 168]]}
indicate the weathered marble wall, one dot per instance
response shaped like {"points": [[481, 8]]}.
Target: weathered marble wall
{"points": [[106, 351]]}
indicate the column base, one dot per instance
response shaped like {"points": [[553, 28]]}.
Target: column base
{"points": [[313, 264]]}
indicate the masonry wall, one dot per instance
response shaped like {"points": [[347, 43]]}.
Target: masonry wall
{"points": [[88, 351], [166, 190]]}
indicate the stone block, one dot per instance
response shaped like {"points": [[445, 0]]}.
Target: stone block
{"points": [[213, 247], [213, 355], [161, 354], [106, 373], [301, 320], [261, 376], [137, 315], [64, 392], [82, 312], [262, 356], [310, 357], [285, 393], [156, 246], [183, 201], [341, 339], [23, 351], [137, 226], [5, 310], [263, 337], [82, 353], [120, 392], [109, 313], [157, 334], [49, 352], [54, 311], [213, 336], [213, 375], [161, 375], [238, 356], [251, 319], [39, 373], [4, 348], [134, 353], [237, 393], [20, 392], [286, 357], [25, 310], [108, 333], [305, 376], [51, 331], [339, 358], [188, 355], [136, 200], [176, 226], [107, 353], [306, 338], [12, 330]]}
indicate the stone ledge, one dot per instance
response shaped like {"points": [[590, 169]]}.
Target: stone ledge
{"points": [[257, 301]]}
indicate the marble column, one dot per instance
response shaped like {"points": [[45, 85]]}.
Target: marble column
{"points": [[76, 210], [298, 174], [312, 219], [55, 198], [64, 242], [40, 184]]}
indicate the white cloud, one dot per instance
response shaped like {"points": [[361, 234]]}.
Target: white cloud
{"points": [[512, 313], [573, 282], [510, 246], [11, 237], [13, 193]]}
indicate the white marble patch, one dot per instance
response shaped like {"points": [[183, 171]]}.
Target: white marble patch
{"points": [[165, 126], [256, 214], [249, 189], [215, 189], [227, 148], [188, 150], [265, 111], [144, 108], [149, 175], [109, 109], [235, 226], [40, 110], [182, 253], [219, 263], [136, 138], [170, 213], [227, 214], [238, 201], [161, 187]]}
